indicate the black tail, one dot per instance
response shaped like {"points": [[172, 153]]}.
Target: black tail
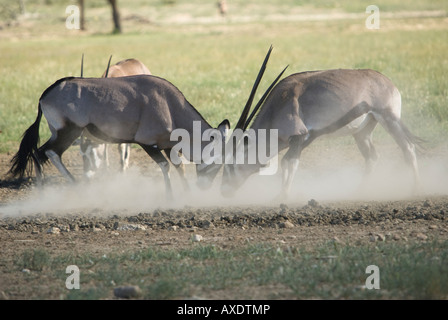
{"points": [[28, 149]]}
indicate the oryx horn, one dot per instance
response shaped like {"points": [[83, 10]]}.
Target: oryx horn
{"points": [[108, 66], [241, 122], [260, 102]]}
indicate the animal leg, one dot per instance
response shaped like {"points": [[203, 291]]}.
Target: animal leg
{"points": [[364, 142], [181, 170], [93, 155], [106, 154], [124, 149], [58, 143], [290, 162], [39, 170], [292, 166], [164, 165], [56, 160], [398, 132]]}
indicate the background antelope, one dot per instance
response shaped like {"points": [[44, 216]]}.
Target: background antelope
{"points": [[95, 152], [306, 105]]}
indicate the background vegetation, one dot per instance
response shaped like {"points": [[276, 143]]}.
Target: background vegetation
{"points": [[329, 271], [214, 59]]}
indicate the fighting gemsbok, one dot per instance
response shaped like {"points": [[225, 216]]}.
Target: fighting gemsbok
{"points": [[95, 152], [307, 105], [142, 109]]}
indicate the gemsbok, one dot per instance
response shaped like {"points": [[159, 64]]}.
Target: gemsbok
{"points": [[141, 109], [95, 152], [307, 105]]}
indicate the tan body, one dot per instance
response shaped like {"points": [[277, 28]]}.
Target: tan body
{"points": [[128, 67]]}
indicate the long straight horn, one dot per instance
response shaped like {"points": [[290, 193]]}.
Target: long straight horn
{"points": [[258, 105], [82, 65], [108, 66], [246, 109]]}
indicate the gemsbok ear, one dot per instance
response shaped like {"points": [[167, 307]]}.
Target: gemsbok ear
{"points": [[224, 128]]}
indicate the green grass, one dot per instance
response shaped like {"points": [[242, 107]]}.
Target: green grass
{"points": [[215, 64], [329, 271]]}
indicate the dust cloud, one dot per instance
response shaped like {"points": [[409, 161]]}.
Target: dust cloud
{"points": [[323, 176]]}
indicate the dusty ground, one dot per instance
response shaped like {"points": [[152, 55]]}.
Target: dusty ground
{"points": [[87, 224]]}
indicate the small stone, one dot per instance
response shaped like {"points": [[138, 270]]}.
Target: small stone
{"points": [[313, 203], [421, 236], [433, 226], [197, 238], [173, 228], [64, 228], [54, 230], [335, 240], [396, 237], [95, 229], [427, 204], [372, 238], [207, 224], [130, 227], [26, 271], [380, 237], [286, 224], [127, 292]]}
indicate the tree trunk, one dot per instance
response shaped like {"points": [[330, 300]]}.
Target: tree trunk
{"points": [[82, 21], [22, 7], [115, 16]]}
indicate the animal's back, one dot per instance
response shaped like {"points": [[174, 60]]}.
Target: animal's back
{"points": [[319, 98], [117, 107]]}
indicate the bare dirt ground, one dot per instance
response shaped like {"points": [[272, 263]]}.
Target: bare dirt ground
{"points": [[129, 212]]}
